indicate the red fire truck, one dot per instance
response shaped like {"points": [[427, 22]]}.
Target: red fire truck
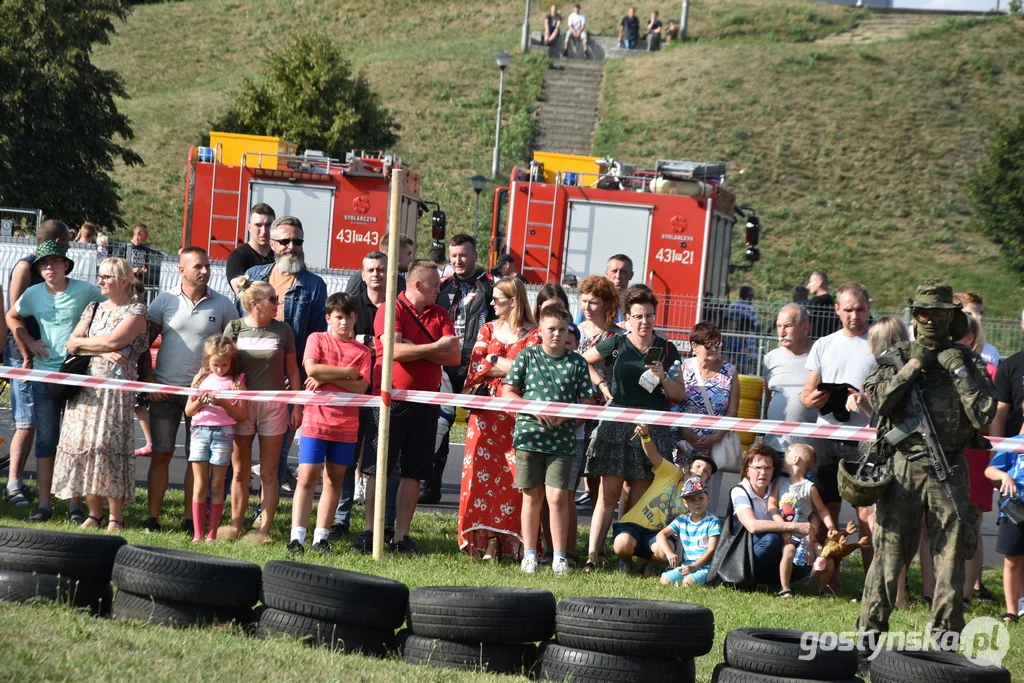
{"points": [[343, 206], [566, 215]]}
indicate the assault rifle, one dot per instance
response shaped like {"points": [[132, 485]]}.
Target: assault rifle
{"points": [[919, 421]]}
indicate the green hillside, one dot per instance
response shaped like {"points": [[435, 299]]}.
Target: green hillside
{"points": [[850, 153]]}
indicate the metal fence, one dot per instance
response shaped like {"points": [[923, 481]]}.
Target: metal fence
{"points": [[19, 221]]}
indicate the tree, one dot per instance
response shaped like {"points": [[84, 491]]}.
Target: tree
{"points": [[309, 95], [997, 195], [59, 122]]}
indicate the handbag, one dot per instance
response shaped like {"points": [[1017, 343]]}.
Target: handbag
{"points": [[73, 365], [727, 453], [733, 562], [1013, 508]]}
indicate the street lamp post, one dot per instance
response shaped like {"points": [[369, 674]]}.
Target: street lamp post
{"points": [[503, 59], [478, 182], [684, 21]]}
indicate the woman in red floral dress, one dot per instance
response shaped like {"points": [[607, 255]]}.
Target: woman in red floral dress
{"points": [[488, 500]]}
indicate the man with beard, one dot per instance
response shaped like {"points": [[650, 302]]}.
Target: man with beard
{"points": [[960, 399], [184, 320], [303, 297], [785, 370]]}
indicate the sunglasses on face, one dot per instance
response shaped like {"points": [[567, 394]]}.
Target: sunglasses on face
{"points": [[273, 299], [103, 278], [713, 346], [286, 242], [936, 315]]}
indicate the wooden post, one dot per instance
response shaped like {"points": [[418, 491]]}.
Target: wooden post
{"points": [[388, 342]]}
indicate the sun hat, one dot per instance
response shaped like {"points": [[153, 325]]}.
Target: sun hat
{"points": [[51, 248]]}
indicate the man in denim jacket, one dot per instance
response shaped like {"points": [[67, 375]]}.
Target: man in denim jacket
{"points": [[303, 296]]}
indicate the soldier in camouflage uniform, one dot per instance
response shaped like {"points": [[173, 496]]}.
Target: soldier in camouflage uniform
{"points": [[961, 400]]}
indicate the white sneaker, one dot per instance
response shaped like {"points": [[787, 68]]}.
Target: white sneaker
{"points": [[560, 566], [1020, 606], [360, 495], [529, 564]]}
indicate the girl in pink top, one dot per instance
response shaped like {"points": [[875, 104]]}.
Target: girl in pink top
{"points": [[213, 430]]}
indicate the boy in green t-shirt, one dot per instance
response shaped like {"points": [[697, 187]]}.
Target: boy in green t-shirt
{"points": [[545, 446]]}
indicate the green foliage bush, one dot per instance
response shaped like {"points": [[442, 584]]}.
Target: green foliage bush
{"points": [[59, 121], [997, 195], [310, 95]]}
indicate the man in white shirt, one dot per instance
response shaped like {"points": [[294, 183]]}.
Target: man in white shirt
{"points": [[843, 357], [785, 372], [577, 32]]}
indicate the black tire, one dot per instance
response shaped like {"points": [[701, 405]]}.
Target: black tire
{"points": [[83, 556], [94, 595], [482, 614], [726, 674], [334, 595], [559, 663], [183, 576], [499, 659], [174, 613], [778, 652], [338, 637], [635, 628], [892, 666]]}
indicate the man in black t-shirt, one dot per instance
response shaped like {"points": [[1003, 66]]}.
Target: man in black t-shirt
{"points": [[629, 30], [821, 306], [552, 26], [144, 259], [1010, 393], [257, 251]]}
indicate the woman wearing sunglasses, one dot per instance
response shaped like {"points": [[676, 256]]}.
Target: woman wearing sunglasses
{"points": [[266, 358]]}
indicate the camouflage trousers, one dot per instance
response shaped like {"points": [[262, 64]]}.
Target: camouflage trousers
{"points": [[895, 535]]}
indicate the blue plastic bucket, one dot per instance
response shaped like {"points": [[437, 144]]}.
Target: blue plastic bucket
{"points": [[570, 178], [207, 155]]}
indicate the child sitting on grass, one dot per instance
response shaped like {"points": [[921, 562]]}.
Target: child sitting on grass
{"points": [[798, 498], [334, 363], [546, 446], [212, 437], [695, 535]]}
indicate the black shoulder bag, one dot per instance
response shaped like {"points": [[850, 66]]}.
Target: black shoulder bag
{"points": [[73, 365], [733, 562]]}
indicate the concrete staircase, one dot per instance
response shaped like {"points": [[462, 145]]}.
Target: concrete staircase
{"points": [[879, 27], [567, 111]]}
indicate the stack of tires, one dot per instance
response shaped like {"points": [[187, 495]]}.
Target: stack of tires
{"points": [[477, 628], [181, 589], [751, 392], [635, 641], [894, 666], [73, 569], [772, 655], [322, 606]]}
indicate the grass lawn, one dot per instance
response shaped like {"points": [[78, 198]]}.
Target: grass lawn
{"points": [[76, 645]]}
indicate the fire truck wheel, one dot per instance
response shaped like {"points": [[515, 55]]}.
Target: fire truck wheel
{"points": [[892, 666], [317, 633], [334, 595], [94, 595], [499, 659], [482, 614], [559, 663], [636, 628], [726, 674], [184, 576], [784, 652], [83, 556], [173, 613]]}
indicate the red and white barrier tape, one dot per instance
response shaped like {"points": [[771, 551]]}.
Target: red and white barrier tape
{"points": [[567, 410]]}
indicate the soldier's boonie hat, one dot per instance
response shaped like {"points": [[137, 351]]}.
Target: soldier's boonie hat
{"points": [[933, 294], [51, 248]]}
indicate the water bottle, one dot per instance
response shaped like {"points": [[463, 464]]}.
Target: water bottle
{"points": [[801, 554], [673, 372], [119, 368]]}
